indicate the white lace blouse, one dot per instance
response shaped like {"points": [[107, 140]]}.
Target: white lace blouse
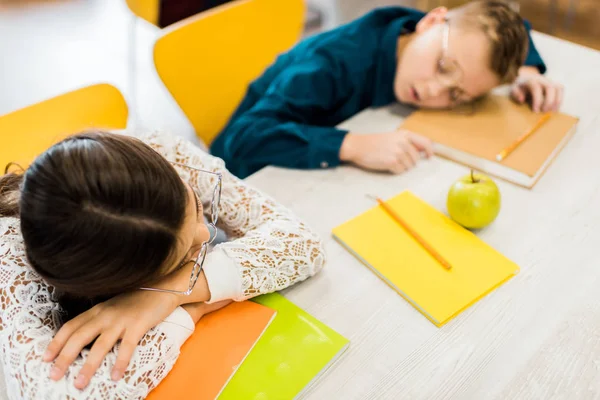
{"points": [[269, 249]]}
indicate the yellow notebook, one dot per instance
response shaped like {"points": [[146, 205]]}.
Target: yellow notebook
{"points": [[383, 245]]}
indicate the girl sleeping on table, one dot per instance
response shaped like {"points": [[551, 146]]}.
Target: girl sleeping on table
{"points": [[104, 261]]}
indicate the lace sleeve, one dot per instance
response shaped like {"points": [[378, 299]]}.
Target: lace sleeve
{"points": [[270, 249], [29, 319]]}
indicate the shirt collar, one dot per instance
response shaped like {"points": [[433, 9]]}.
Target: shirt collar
{"points": [[385, 72]]}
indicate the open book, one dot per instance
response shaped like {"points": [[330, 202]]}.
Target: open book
{"points": [[475, 139]]}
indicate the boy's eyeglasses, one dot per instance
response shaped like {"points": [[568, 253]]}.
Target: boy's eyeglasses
{"points": [[449, 74], [212, 225]]}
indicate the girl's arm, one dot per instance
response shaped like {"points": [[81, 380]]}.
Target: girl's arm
{"points": [[271, 248], [199, 310], [29, 319]]}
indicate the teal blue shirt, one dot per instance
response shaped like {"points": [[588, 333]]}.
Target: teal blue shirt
{"points": [[288, 116]]}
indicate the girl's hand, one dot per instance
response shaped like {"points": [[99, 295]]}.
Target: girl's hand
{"points": [[127, 317]]}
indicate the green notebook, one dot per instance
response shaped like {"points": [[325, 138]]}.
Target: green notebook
{"points": [[294, 350]]}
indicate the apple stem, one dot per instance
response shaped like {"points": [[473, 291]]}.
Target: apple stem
{"points": [[473, 178]]}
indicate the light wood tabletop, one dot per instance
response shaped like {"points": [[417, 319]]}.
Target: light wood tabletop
{"points": [[536, 337]]}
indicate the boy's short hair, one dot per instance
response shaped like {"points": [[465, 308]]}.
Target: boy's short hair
{"points": [[505, 29]]}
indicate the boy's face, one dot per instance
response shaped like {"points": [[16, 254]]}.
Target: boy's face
{"points": [[442, 65]]}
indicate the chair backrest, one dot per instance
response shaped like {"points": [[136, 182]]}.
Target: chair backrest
{"points": [[207, 61], [27, 132], [148, 10]]}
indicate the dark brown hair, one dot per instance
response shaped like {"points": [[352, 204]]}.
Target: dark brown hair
{"points": [[505, 30], [99, 213]]}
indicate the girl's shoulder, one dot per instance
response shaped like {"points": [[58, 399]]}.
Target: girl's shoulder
{"points": [[10, 226], [182, 150]]}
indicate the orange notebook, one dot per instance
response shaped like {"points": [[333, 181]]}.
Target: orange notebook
{"points": [[212, 355], [475, 140]]}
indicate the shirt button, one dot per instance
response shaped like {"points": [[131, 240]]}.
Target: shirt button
{"points": [[324, 164]]}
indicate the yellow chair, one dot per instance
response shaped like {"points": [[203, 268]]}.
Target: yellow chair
{"points": [[145, 9], [27, 132], [207, 61]]}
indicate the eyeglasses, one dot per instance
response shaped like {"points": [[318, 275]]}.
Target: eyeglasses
{"points": [[449, 74], [214, 215]]}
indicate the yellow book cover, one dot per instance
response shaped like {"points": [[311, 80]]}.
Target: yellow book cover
{"points": [[384, 246]]}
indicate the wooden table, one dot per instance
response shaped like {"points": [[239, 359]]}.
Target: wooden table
{"points": [[536, 337]]}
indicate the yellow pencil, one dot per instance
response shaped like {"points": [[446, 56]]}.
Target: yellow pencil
{"points": [[504, 153], [414, 234]]}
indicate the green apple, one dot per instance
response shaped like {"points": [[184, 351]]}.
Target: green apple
{"points": [[474, 201]]}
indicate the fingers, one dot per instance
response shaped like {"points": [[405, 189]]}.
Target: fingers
{"points": [[554, 97], [406, 157], [422, 144], [550, 98], [407, 154], [395, 151], [404, 160], [101, 347], [545, 94], [518, 94], [126, 349], [73, 346], [412, 153], [397, 167], [537, 95], [63, 335]]}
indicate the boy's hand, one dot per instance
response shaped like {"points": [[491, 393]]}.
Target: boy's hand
{"points": [[544, 94], [395, 152]]}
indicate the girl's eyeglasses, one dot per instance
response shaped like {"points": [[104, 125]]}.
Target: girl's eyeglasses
{"points": [[212, 225]]}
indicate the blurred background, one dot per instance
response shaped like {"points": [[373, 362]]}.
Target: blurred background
{"points": [[51, 47], [574, 20]]}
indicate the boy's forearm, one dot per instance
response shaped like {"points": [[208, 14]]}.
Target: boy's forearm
{"points": [[257, 142]]}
